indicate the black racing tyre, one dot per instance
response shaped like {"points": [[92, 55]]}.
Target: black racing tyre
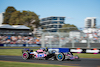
{"points": [[25, 56], [60, 57], [46, 58]]}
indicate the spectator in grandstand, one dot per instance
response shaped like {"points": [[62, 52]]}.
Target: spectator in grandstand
{"points": [[19, 40]]}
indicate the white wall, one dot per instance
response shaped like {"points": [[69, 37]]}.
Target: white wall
{"points": [[1, 18]]}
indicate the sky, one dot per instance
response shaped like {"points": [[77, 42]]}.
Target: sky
{"points": [[75, 11]]}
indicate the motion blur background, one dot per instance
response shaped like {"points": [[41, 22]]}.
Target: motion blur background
{"points": [[73, 24]]}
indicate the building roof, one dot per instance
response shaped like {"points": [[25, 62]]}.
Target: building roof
{"points": [[6, 26], [90, 18], [52, 16], [20, 27], [14, 26]]}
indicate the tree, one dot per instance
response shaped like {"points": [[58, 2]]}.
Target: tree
{"points": [[8, 13], [67, 28], [27, 17], [15, 18]]}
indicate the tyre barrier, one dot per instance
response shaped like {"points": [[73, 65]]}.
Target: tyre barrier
{"points": [[77, 50], [93, 51]]}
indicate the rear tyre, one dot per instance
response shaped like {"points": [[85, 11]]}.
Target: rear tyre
{"points": [[25, 56], [60, 57]]}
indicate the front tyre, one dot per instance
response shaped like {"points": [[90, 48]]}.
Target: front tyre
{"points": [[25, 56], [60, 57]]}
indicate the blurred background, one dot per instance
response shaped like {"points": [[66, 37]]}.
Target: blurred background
{"points": [[73, 24]]}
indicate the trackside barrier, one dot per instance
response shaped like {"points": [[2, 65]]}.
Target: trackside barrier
{"points": [[20, 45], [77, 50], [64, 50], [85, 51]]}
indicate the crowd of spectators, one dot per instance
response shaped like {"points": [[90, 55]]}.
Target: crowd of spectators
{"points": [[19, 40], [92, 37]]}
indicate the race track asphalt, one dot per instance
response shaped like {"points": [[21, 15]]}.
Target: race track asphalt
{"points": [[83, 62]]}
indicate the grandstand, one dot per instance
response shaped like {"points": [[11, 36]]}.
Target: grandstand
{"points": [[19, 40], [14, 30], [17, 35]]}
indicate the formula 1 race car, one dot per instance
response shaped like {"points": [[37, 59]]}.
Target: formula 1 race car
{"points": [[46, 55]]}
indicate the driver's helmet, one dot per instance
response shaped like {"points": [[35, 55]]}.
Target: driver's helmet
{"points": [[46, 48]]}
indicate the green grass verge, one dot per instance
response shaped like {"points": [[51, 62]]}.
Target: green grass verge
{"points": [[86, 55], [24, 64], [12, 52], [18, 52]]}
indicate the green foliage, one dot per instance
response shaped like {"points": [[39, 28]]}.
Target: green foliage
{"points": [[27, 17], [8, 13], [14, 17], [68, 28]]}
